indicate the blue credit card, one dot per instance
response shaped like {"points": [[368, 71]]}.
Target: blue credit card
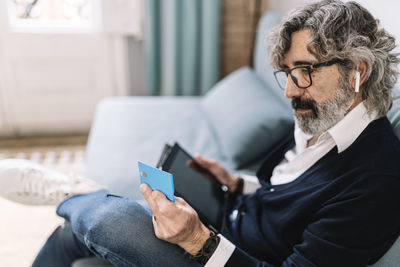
{"points": [[157, 180]]}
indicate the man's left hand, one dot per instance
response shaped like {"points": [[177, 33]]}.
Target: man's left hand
{"points": [[175, 222]]}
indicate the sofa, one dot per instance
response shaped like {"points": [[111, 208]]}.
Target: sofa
{"points": [[236, 122]]}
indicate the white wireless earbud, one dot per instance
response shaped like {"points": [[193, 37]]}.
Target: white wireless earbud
{"points": [[357, 77]]}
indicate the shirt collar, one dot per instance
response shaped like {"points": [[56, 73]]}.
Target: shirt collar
{"points": [[300, 138], [344, 133]]}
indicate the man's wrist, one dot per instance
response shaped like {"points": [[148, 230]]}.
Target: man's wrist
{"points": [[198, 241], [234, 183], [208, 249], [237, 187]]}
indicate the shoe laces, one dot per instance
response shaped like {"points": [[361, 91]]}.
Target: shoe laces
{"points": [[36, 183]]}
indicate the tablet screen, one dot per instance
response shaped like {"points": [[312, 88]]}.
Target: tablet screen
{"points": [[203, 194]]}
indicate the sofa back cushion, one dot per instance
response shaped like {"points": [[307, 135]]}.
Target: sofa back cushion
{"points": [[246, 115], [262, 65]]}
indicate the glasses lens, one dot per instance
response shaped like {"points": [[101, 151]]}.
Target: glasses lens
{"points": [[281, 78], [302, 76]]}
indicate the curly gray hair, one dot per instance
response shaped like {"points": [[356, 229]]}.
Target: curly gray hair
{"points": [[345, 31]]}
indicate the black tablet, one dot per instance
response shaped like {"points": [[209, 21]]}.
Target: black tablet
{"points": [[196, 185]]}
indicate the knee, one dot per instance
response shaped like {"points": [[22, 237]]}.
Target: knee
{"points": [[116, 219]]}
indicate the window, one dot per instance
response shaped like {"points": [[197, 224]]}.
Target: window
{"points": [[53, 14], [116, 17]]}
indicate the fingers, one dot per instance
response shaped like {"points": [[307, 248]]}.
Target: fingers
{"points": [[199, 159], [157, 201], [212, 166], [205, 163], [146, 191], [174, 222]]}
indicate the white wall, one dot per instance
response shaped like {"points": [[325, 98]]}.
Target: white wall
{"points": [[285, 5], [387, 11]]}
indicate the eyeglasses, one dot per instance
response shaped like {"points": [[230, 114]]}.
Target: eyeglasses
{"points": [[301, 76]]}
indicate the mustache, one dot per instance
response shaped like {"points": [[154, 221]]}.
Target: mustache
{"points": [[297, 103]]}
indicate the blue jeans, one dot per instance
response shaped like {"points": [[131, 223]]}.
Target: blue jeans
{"points": [[110, 227]]}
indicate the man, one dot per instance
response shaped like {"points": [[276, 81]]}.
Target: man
{"points": [[326, 195]]}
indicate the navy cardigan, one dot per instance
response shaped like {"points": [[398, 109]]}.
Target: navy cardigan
{"points": [[343, 211]]}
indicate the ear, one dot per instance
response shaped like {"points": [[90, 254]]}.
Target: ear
{"points": [[363, 70]]}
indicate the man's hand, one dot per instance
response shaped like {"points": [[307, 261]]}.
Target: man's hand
{"points": [[225, 178], [175, 222]]}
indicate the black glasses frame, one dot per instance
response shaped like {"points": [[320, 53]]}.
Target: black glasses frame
{"points": [[309, 69]]}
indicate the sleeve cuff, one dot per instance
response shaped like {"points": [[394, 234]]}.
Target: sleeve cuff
{"points": [[221, 254], [251, 184]]}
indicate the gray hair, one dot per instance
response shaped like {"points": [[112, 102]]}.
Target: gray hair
{"points": [[348, 32]]}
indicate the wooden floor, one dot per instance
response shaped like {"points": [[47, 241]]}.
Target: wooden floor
{"points": [[23, 229]]}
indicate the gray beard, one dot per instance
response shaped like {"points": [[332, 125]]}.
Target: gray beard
{"points": [[328, 113]]}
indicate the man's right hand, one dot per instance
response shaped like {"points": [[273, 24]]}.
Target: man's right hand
{"points": [[223, 176]]}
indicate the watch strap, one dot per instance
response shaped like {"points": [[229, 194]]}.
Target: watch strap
{"points": [[208, 248]]}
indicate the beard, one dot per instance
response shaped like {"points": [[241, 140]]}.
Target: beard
{"points": [[324, 115]]}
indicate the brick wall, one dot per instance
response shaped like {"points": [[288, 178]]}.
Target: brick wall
{"points": [[237, 33]]}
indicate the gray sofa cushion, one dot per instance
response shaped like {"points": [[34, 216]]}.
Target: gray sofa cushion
{"points": [[394, 113], [261, 62], [247, 116], [91, 262], [391, 257]]}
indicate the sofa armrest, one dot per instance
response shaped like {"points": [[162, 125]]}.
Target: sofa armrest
{"points": [[91, 262]]}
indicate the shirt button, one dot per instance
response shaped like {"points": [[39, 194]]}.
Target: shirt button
{"points": [[271, 190]]}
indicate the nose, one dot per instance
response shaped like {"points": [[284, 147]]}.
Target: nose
{"points": [[291, 89]]}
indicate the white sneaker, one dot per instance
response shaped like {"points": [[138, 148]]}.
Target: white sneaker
{"points": [[29, 183]]}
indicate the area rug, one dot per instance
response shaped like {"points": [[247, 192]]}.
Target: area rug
{"points": [[24, 229]]}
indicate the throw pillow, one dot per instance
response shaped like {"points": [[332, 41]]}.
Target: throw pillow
{"points": [[394, 113], [247, 116]]}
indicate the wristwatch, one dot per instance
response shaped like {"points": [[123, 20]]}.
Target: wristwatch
{"points": [[208, 248]]}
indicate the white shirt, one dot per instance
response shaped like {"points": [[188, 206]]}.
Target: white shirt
{"points": [[299, 159]]}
